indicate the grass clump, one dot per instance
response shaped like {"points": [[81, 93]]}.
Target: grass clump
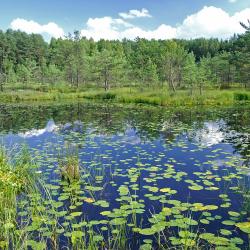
{"points": [[17, 176], [68, 161]]}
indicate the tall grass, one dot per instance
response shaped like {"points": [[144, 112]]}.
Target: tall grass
{"points": [[68, 161], [162, 97], [16, 177], [159, 96]]}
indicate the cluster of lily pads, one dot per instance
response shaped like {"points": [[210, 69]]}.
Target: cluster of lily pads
{"points": [[136, 192]]}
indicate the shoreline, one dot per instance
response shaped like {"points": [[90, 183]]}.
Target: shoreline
{"points": [[121, 96]]}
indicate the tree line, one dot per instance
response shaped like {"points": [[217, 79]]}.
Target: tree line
{"points": [[79, 62]]}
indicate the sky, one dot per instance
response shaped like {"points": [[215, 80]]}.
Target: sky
{"points": [[118, 19]]}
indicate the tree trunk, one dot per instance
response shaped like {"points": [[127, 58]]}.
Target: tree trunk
{"points": [[106, 82], [171, 83], [106, 85], [77, 78], [171, 78], [191, 90]]}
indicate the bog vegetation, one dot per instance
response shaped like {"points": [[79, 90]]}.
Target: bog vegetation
{"points": [[75, 64]]}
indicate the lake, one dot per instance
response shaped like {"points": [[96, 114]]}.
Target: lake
{"points": [[150, 177]]}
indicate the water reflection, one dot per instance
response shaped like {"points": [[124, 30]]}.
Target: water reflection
{"points": [[76, 126], [206, 127], [210, 134], [49, 128], [190, 156]]}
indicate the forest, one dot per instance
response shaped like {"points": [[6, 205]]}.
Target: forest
{"points": [[76, 62]]}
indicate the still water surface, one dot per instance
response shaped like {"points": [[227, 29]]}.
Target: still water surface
{"points": [[162, 177]]}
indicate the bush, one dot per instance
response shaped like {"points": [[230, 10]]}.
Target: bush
{"points": [[241, 96], [106, 96]]}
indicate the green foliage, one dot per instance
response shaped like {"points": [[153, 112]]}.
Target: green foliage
{"points": [[17, 176], [153, 96], [242, 96], [74, 63], [190, 72], [173, 60], [68, 161], [23, 73]]}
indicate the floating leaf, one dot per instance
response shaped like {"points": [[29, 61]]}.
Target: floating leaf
{"points": [[244, 226]]}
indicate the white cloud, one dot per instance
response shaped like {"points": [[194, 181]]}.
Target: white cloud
{"points": [[135, 14], [113, 29], [208, 22], [212, 22], [161, 32], [105, 27], [232, 1], [30, 26]]}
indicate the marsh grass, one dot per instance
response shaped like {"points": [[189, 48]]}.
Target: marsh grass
{"points": [[159, 96], [68, 161], [16, 177]]}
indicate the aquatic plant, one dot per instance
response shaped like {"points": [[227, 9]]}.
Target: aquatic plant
{"points": [[141, 185], [69, 162], [17, 176]]}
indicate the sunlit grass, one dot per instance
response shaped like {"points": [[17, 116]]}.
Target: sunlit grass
{"points": [[16, 177], [162, 97], [158, 96]]}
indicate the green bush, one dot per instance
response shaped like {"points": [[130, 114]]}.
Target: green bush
{"points": [[241, 96], [105, 96]]}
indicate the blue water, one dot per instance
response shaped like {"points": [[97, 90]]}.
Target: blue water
{"points": [[111, 140]]}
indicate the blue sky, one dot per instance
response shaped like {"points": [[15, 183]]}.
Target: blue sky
{"points": [[98, 18]]}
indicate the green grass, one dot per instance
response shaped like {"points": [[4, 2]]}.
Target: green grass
{"points": [[28, 95], [68, 161], [153, 96], [16, 177], [162, 97]]}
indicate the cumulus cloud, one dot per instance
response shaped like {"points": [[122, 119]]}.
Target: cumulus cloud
{"points": [[161, 32], [212, 22], [105, 28], [117, 29], [208, 22], [135, 14], [30, 26]]}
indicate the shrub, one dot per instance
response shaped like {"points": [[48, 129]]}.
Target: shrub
{"points": [[241, 96]]}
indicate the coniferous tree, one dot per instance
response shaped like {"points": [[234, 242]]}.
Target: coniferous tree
{"points": [[190, 72]]}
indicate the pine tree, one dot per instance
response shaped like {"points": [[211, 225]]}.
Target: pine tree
{"points": [[108, 67], [150, 73], [190, 72]]}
